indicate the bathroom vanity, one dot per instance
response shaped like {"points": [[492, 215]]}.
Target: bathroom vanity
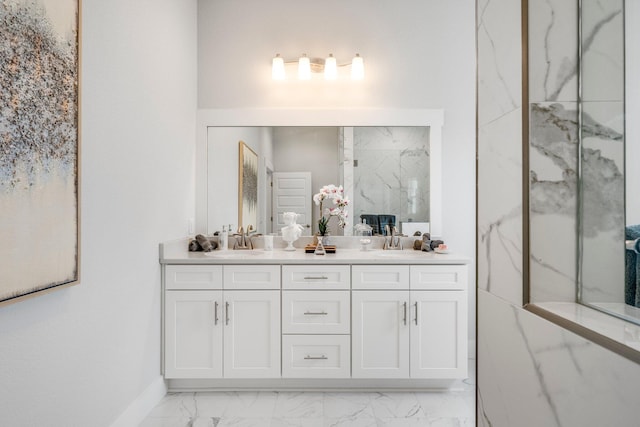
{"points": [[279, 319]]}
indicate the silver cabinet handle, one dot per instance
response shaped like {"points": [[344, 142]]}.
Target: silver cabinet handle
{"points": [[315, 313], [404, 315], [215, 313], [416, 305], [226, 313], [315, 278], [323, 357]]}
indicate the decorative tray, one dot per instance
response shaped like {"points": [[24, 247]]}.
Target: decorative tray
{"points": [[330, 249]]}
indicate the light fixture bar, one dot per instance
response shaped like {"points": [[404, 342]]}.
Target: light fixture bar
{"points": [[308, 66]]}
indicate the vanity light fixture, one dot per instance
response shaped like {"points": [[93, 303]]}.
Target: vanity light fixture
{"points": [[357, 67], [304, 67], [277, 68], [330, 68], [308, 66]]}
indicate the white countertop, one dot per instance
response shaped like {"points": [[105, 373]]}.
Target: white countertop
{"points": [[176, 252]]}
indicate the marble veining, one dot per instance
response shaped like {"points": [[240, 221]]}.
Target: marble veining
{"points": [[498, 82], [554, 203], [311, 409], [533, 373]]}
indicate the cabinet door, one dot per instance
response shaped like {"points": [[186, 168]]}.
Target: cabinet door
{"points": [[438, 334], [252, 334], [193, 334], [380, 334]]}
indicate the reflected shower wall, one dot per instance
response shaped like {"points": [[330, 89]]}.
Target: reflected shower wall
{"points": [[391, 172]]}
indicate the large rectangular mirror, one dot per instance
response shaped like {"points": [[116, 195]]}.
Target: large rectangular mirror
{"points": [[389, 167]]}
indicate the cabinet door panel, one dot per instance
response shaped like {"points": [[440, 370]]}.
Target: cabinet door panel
{"points": [[252, 276], [193, 336], [193, 277], [438, 334], [380, 334], [439, 277], [252, 334], [383, 277]]}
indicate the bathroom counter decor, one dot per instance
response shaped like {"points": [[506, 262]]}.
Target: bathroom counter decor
{"points": [[348, 251]]}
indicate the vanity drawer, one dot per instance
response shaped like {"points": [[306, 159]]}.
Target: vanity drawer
{"points": [[316, 312], [316, 276], [252, 277], [386, 277], [193, 277], [316, 356], [439, 277]]}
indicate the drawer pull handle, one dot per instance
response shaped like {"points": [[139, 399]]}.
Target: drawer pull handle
{"points": [[416, 305], [226, 311], [316, 278], [215, 313], [315, 313], [404, 315], [323, 357]]}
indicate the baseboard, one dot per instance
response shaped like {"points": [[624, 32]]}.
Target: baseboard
{"points": [[142, 405], [472, 349]]}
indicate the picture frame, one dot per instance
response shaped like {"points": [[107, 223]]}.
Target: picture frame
{"points": [[247, 187], [40, 168]]}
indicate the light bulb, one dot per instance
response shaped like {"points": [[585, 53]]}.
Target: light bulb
{"points": [[277, 68], [330, 68], [357, 68], [304, 68]]}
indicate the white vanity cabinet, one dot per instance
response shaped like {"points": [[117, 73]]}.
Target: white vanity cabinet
{"points": [[416, 330], [212, 332], [289, 319]]}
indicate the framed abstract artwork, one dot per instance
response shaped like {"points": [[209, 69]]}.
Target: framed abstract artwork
{"points": [[247, 187], [39, 147]]}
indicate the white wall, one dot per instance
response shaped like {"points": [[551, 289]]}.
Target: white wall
{"points": [[80, 356], [417, 55]]}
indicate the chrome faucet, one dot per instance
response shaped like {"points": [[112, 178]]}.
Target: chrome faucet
{"points": [[245, 239], [394, 241]]}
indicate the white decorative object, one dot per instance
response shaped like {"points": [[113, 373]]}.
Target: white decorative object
{"points": [[291, 231]]}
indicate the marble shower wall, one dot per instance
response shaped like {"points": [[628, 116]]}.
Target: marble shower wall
{"points": [[532, 372], [603, 151], [499, 150], [553, 149], [392, 172], [553, 91]]}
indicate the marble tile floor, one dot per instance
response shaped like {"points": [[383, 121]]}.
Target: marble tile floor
{"points": [[317, 409]]}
